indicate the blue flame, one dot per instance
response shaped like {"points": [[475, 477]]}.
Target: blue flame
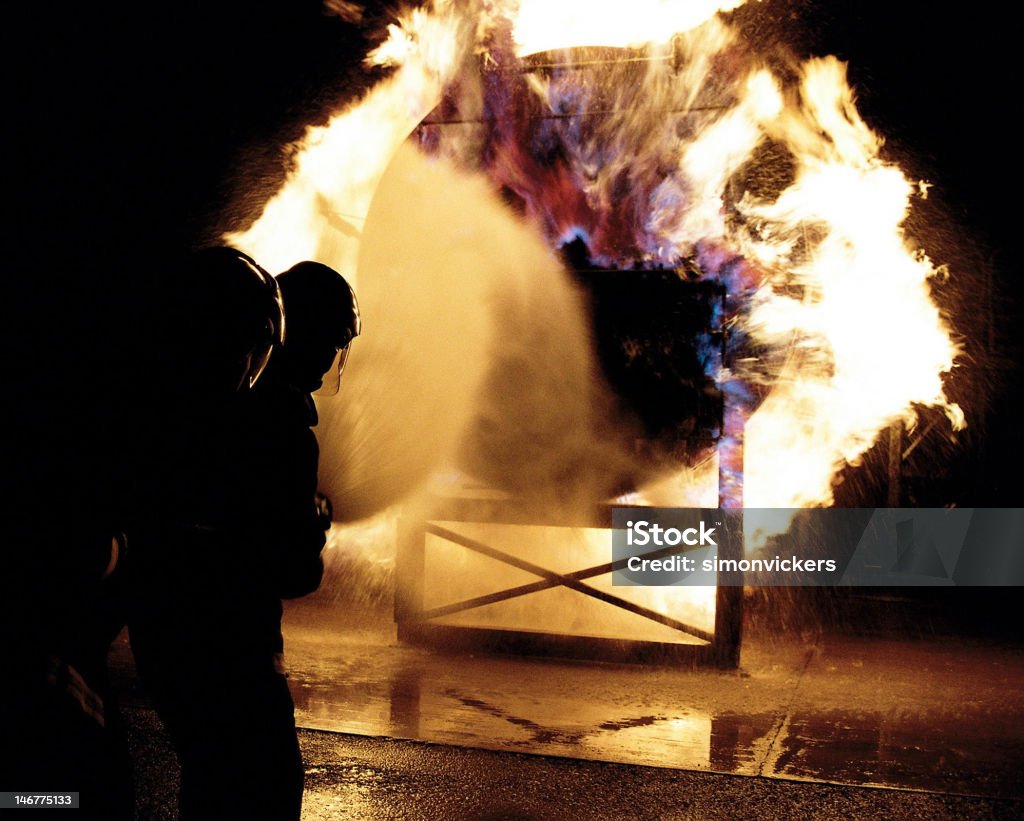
{"points": [[572, 234]]}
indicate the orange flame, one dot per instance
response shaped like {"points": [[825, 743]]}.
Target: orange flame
{"points": [[319, 211], [871, 343], [845, 291]]}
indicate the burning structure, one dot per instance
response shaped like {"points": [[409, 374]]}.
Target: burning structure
{"points": [[689, 152], [529, 182]]}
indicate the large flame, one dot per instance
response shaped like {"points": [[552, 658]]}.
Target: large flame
{"points": [[320, 210], [872, 343], [541, 25], [658, 163]]}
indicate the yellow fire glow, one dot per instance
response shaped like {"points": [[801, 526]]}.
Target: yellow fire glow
{"points": [[872, 341], [320, 210], [845, 289], [542, 25], [717, 153]]}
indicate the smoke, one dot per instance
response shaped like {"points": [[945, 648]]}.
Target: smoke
{"points": [[476, 355]]}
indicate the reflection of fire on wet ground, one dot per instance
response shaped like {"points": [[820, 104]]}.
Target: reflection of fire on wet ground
{"points": [[834, 708]]}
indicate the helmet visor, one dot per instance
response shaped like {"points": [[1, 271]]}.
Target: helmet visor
{"points": [[331, 383]]}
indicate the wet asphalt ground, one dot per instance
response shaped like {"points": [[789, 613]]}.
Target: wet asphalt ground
{"points": [[364, 779], [813, 725]]}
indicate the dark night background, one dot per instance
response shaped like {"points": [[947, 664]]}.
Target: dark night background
{"points": [[135, 127]]}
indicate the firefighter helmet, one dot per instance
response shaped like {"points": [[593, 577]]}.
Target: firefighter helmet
{"points": [[323, 318], [233, 317]]}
